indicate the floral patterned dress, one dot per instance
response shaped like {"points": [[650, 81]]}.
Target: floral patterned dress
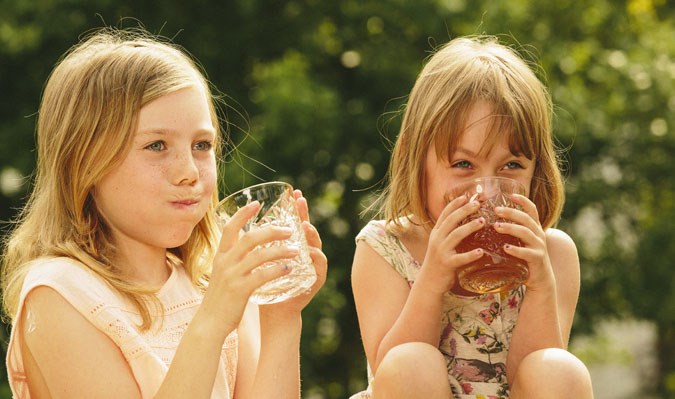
{"points": [[475, 331]]}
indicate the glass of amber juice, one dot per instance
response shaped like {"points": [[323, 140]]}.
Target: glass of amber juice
{"points": [[495, 271]]}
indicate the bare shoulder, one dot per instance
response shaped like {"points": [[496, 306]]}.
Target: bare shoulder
{"points": [[364, 253], [561, 247], [45, 307], [380, 293], [562, 252], [369, 268], [50, 324], [373, 246], [59, 343], [40, 306], [371, 271], [559, 236]]}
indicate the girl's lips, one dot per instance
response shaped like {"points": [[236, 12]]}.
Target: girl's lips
{"points": [[185, 202]]}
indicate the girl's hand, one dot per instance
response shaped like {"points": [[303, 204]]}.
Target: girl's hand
{"points": [[439, 269], [528, 229], [296, 304], [232, 279]]}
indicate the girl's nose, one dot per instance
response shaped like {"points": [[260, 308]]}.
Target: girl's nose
{"points": [[185, 170]]}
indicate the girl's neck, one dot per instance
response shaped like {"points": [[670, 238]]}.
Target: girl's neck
{"points": [[415, 237], [143, 266], [154, 277]]}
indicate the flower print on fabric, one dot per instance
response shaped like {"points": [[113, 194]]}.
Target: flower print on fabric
{"points": [[475, 331]]}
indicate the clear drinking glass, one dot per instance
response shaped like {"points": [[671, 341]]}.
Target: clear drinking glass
{"points": [[495, 271], [278, 208]]}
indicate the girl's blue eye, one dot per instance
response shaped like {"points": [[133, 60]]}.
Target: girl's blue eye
{"points": [[461, 164], [156, 146], [203, 146], [513, 165]]}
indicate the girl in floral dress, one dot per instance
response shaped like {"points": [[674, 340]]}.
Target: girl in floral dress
{"points": [[476, 110]]}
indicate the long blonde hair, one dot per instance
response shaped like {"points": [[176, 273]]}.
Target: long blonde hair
{"points": [[87, 116], [461, 73]]}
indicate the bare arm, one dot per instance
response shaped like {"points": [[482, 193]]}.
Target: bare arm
{"points": [[271, 368], [59, 343], [270, 347], [193, 370], [547, 313], [390, 313], [276, 372], [74, 359], [386, 307], [388, 310]]}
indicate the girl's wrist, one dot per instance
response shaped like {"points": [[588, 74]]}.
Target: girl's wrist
{"points": [[280, 328], [427, 296], [271, 316], [217, 317], [545, 284], [206, 324], [432, 288]]}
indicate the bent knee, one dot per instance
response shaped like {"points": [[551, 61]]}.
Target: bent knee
{"points": [[411, 355], [412, 370], [559, 368]]}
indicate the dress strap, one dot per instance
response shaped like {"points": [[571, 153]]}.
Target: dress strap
{"points": [[390, 247]]}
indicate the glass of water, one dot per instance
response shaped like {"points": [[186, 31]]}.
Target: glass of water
{"points": [[278, 208]]}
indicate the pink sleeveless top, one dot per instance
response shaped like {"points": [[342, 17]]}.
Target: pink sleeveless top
{"points": [[149, 353]]}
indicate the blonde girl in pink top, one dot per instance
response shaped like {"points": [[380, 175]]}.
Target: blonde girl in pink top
{"points": [[114, 278]]}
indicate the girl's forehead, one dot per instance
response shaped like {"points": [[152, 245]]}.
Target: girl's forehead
{"points": [[480, 139]]}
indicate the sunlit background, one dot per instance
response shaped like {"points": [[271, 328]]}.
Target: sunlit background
{"points": [[315, 89]]}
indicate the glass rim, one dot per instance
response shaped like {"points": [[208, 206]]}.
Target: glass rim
{"points": [[256, 187], [488, 183], [499, 179]]}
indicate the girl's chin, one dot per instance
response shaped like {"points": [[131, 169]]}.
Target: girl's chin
{"points": [[178, 239]]}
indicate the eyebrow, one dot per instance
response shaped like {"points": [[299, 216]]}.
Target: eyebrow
{"points": [[465, 151], [473, 154], [165, 132]]}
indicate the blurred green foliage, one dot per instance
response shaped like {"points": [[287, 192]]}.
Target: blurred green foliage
{"points": [[315, 89]]}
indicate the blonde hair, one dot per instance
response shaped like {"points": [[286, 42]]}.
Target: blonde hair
{"points": [[460, 74], [87, 117]]}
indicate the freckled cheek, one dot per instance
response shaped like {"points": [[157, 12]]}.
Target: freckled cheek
{"points": [[435, 202], [528, 187], [208, 176], [435, 209]]}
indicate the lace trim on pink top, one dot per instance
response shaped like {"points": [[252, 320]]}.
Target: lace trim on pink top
{"points": [[149, 353]]}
